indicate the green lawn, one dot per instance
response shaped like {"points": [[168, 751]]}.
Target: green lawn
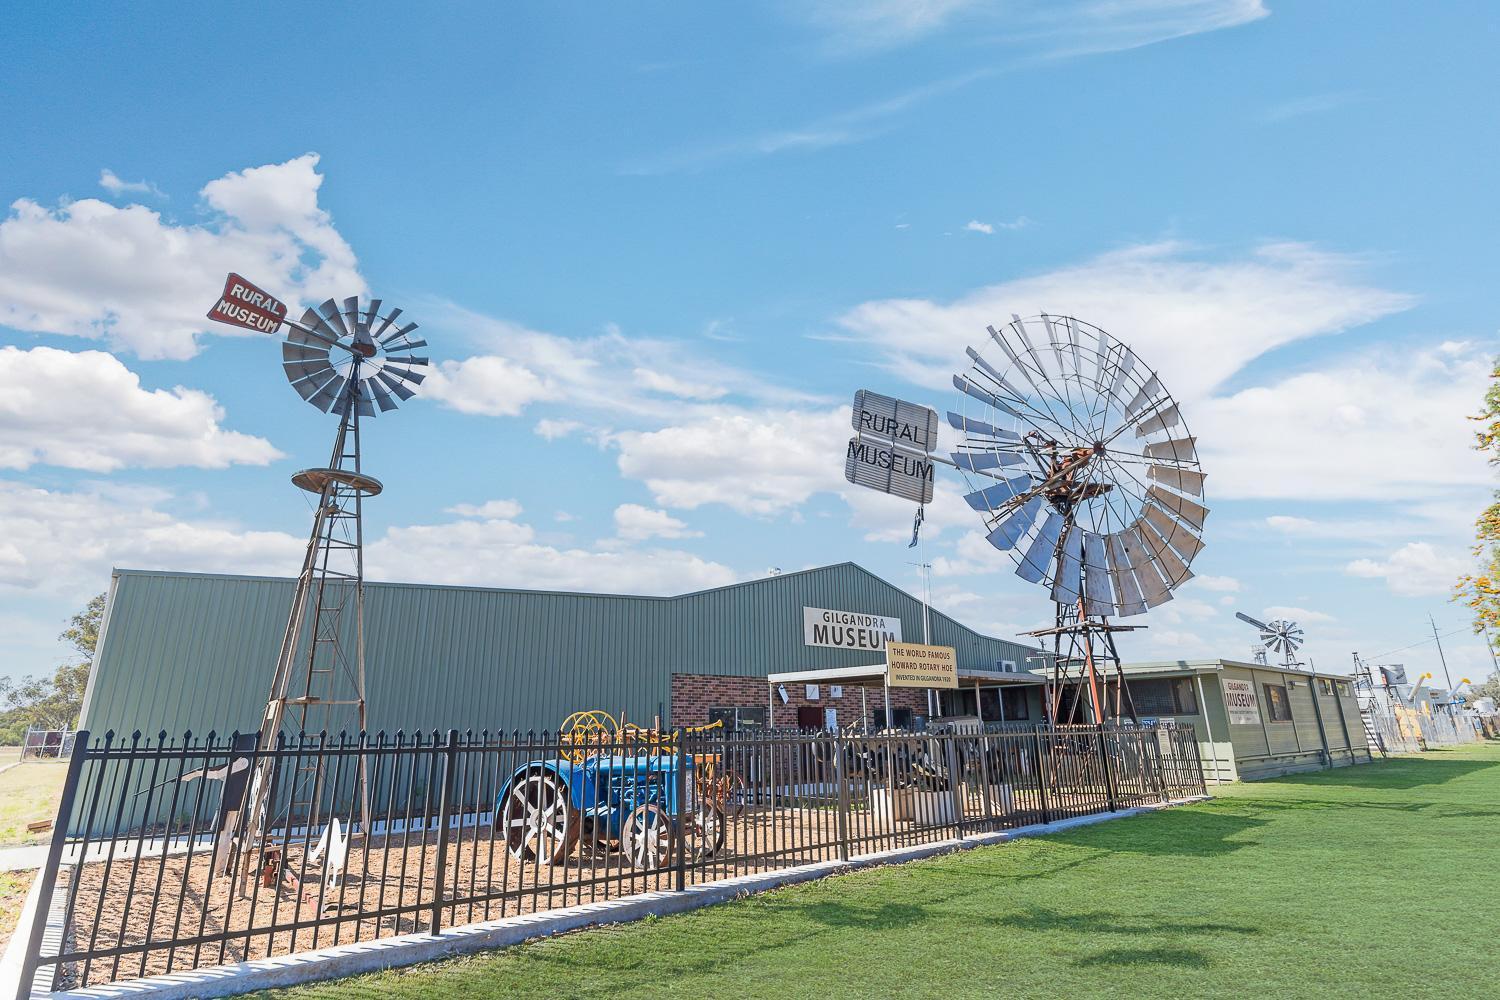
{"points": [[29, 792], [1371, 881]]}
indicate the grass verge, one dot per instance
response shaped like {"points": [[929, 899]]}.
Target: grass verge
{"points": [[29, 792], [1358, 882]]}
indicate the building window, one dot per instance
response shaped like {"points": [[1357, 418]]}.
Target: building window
{"points": [[903, 718], [1343, 688], [1006, 666], [738, 720], [1278, 707], [1017, 706], [1168, 696], [1325, 686]]}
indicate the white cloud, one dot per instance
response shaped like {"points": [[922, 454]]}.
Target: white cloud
{"points": [[554, 429], [1159, 298], [90, 269], [1224, 584], [1301, 616], [1286, 524], [86, 410], [636, 523], [1312, 104], [1416, 569], [975, 226], [486, 386], [759, 462], [115, 186], [490, 510]]}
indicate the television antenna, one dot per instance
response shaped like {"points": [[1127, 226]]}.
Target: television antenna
{"points": [[1084, 471], [1279, 636], [353, 360]]}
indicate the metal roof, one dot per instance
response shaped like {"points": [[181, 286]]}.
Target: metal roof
{"points": [[195, 651]]}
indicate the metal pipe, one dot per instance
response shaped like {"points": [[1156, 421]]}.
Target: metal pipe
{"points": [[1208, 726]]}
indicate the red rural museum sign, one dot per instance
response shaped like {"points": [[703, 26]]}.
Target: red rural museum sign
{"points": [[242, 304]]}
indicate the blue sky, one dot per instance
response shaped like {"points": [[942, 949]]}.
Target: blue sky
{"points": [[657, 247]]}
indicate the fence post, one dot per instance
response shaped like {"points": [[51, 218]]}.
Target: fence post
{"points": [[1198, 759], [1109, 780], [955, 784], [679, 832], [841, 776], [1041, 773], [445, 808], [31, 959]]}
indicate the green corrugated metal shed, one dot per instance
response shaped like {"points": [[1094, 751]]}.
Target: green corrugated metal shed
{"points": [[190, 651]]}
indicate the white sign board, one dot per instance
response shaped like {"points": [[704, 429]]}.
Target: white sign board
{"points": [[848, 629], [877, 416], [882, 466], [1239, 698]]}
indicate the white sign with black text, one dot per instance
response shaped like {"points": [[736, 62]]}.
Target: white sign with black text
{"points": [[848, 629], [1239, 698]]}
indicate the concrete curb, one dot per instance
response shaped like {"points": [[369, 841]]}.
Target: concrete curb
{"points": [[387, 953]]}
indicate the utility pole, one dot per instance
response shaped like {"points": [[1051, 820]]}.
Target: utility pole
{"points": [[926, 569], [1447, 678]]}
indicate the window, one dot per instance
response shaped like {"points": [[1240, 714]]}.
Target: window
{"points": [[1278, 707], [1343, 689], [1325, 686], [1168, 696], [903, 718], [1006, 666], [1015, 703], [737, 720]]}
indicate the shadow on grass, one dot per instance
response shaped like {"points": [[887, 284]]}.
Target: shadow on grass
{"points": [[1401, 773], [1182, 958], [1177, 833], [1099, 922]]}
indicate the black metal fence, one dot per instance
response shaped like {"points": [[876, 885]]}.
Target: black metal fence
{"points": [[156, 866]]}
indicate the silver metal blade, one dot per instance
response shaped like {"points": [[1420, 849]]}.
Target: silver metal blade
{"points": [[1181, 480], [1191, 514], [408, 328], [351, 313], [369, 317], [1173, 568], [415, 378], [385, 324], [326, 395], [1102, 361], [989, 370], [986, 462], [1175, 450], [322, 334], [1015, 359], [1098, 599], [1154, 589], [1068, 583], [409, 361], [297, 370], [970, 426], [992, 497], [401, 391], [1160, 421], [1011, 529], [1127, 591], [1075, 337], [308, 387], [382, 397], [1148, 393], [295, 351], [982, 394], [330, 312], [1039, 553], [1178, 535], [406, 346]]}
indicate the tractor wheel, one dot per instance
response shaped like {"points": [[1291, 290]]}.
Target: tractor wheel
{"points": [[647, 837], [540, 821], [704, 836]]}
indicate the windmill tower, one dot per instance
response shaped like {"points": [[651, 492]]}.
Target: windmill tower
{"points": [[1084, 471], [352, 361]]}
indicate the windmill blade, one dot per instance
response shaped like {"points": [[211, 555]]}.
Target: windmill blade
{"points": [[298, 370], [328, 393], [963, 385], [351, 314], [1163, 419], [1184, 510], [1014, 525], [1098, 599], [1148, 394], [993, 497], [1075, 337], [298, 351], [979, 428], [368, 318], [396, 386], [1101, 360], [409, 361], [408, 346], [1122, 367], [983, 462], [308, 387], [1178, 535], [1067, 585], [415, 378], [1055, 343], [1175, 450], [379, 393], [1264, 628], [315, 331], [1034, 564], [385, 324], [1019, 325], [1173, 568], [1127, 591], [408, 328], [1154, 589], [989, 370], [1015, 359], [1181, 480], [332, 317]]}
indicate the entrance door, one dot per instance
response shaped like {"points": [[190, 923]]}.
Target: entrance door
{"points": [[809, 717]]}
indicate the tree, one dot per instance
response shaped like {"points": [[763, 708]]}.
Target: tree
{"points": [[53, 703], [1481, 590]]}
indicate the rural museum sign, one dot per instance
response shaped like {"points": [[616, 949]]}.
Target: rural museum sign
{"points": [[891, 447]]}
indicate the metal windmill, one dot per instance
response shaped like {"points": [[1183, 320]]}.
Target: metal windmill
{"points": [[1085, 473], [1279, 636], [352, 360]]}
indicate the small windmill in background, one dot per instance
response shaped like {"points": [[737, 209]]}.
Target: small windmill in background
{"points": [[1279, 636]]}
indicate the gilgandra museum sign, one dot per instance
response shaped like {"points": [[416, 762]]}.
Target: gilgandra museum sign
{"points": [[848, 629]]}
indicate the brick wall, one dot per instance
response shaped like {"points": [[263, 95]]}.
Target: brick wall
{"points": [[694, 694]]}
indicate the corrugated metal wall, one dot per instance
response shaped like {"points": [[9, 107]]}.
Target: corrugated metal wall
{"points": [[196, 652]]}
